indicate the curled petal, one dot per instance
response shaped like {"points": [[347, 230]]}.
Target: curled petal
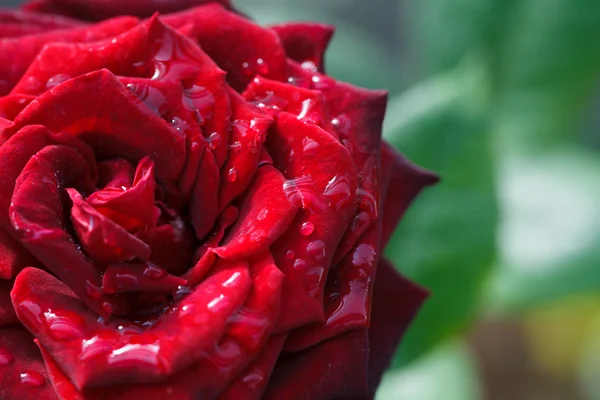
{"points": [[126, 129], [100, 237], [40, 224], [265, 215], [132, 208], [128, 277], [12, 105], [305, 41], [16, 54], [72, 334], [240, 47], [305, 251]]}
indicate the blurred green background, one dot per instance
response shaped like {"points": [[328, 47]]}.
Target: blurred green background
{"points": [[502, 99]]}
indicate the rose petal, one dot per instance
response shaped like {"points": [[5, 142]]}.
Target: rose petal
{"points": [[94, 10], [129, 277], [396, 301], [13, 256], [265, 215], [203, 206], [133, 208], [251, 384], [336, 368], [248, 133], [405, 182], [305, 251], [305, 41], [37, 216], [306, 104], [7, 312], [98, 109], [12, 105], [240, 47], [23, 372], [100, 237], [72, 334], [17, 53], [41, 20]]}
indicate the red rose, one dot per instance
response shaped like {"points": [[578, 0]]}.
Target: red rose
{"points": [[191, 209]]}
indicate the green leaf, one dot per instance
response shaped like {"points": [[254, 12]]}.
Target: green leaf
{"points": [[446, 241], [550, 236], [448, 373]]}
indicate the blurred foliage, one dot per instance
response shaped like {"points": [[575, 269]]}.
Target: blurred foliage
{"points": [[450, 364]]}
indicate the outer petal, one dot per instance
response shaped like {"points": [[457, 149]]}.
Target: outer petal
{"points": [[305, 251], [336, 368], [17, 53], [395, 303], [23, 375], [94, 10], [101, 111], [240, 47], [305, 41], [7, 311]]}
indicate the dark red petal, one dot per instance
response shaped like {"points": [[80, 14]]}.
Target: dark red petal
{"points": [[41, 20], [251, 384], [115, 173], [305, 251], [171, 245], [133, 208], [98, 109], [396, 301], [22, 371], [248, 133], [204, 207], [17, 53], [240, 47], [100, 237], [71, 333], [266, 213], [7, 311], [94, 10], [405, 182], [129, 277], [305, 41], [336, 368], [38, 217]]}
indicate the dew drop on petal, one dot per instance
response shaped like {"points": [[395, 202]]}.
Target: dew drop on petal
{"points": [[154, 272], [307, 228], [6, 358], [289, 254], [62, 327], [33, 379], [232, 175]]}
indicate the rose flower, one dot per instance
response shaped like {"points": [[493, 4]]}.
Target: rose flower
{"points": [[191, 209]]}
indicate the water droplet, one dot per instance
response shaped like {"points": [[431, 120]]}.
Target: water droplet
{"points": [[299, 263], [289, 254], [307, 228], [246, 69], [6, 358], [33, 379], [363, 255], [309, 66], [215, 302], [231, 281], [63, 327], [92, 290], [214, 140], [232, 175], [317, 250], [154, 272], [107, 308], [309, 144], [262, 67], [56, 80]]}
